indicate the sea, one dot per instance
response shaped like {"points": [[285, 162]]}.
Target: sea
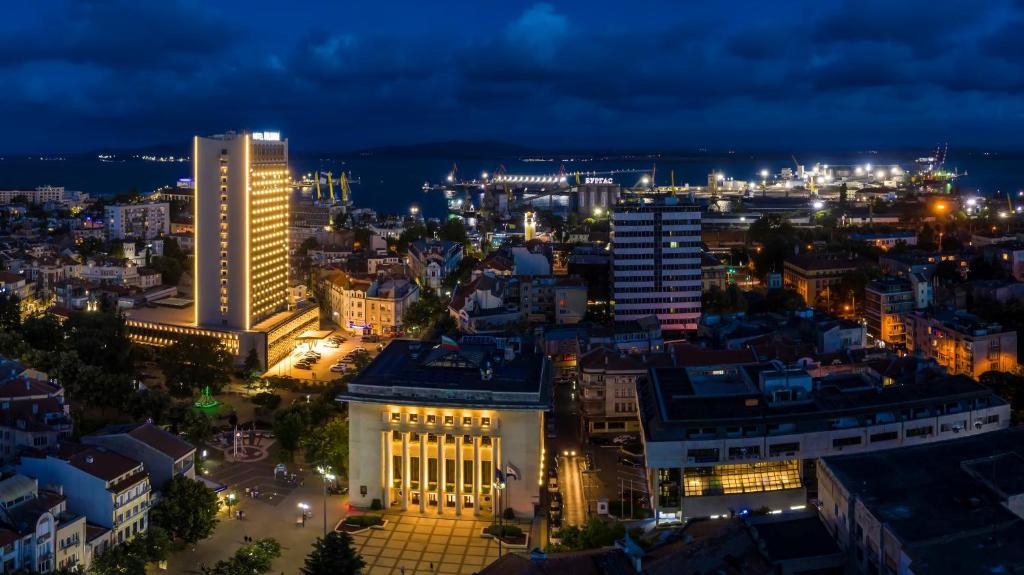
{"points": [[393, 183]]}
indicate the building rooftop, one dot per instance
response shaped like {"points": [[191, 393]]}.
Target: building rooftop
{"points": [[481, 370], [96, 461], [151, 435], [961, 321], [673, 399], [818, 262], [947, 525]]}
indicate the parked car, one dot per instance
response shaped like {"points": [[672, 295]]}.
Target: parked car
{"points": [[630, 462], [303, 366], [624, 438], [338, 367]]}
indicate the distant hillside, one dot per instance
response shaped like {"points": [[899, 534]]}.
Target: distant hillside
{"points": [[450, 149]]}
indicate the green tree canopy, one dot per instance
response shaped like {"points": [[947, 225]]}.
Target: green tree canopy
{"points": [[188, 509], [193, 362], [333, 555], [327, 445]]}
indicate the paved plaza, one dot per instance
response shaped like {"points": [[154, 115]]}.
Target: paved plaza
{"points": [[409, 544]]}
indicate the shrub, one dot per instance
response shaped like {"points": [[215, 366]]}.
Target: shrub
{"points": [[376, 505], [364, 520], [505, 531], [268, 400]]}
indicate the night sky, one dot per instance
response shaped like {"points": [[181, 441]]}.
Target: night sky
{"points": [[341, 75]]}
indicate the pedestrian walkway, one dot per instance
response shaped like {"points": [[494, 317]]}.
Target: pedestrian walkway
{"points": [[410, 544]]}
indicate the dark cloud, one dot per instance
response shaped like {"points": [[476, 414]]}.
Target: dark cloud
{"points": [[552, 73]]}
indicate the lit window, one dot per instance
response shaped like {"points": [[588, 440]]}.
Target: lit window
{"points": [[449, 420], [414, 418], [485, 421], [396, 417], [467, 421]]}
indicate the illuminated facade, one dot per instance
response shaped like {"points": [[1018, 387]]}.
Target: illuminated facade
{"points": [[240, 295], [242, 190], [720, 439], [429, 424], [961, 342]]}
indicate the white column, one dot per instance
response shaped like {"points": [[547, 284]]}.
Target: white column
{"points": [[423, 472], [458, 475], [496, 452], [440, 473], [388, 469], [476, 475], [405, 471]]}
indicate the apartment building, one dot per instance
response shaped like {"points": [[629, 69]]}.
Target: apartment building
{"points": [[368, 305], [961, 342], [431, 261], [815, 277], [143, 221], [33, 413], [723, 439], [112, 490], [886, 300], [657, 261], [37, 532], [163, 454]]}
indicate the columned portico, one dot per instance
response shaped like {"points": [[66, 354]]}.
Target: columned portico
{"points": [[424, 478]]}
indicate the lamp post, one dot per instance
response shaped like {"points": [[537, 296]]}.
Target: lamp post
{"points": [[499, 485], [303, 508], [325, 472], [231, 502]]}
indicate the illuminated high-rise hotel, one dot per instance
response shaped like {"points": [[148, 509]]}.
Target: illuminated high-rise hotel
{"points": [[242, 189], [240, 280]]}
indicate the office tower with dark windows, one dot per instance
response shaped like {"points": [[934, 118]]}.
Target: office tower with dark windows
{"points": [[657, 261]]}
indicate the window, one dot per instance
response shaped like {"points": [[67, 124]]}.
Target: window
{"points": [[884, 436], [846, 441], [782, 448], [923, 431], [396, 417], [992, 418], [467, 421], [449, 420], [431, 419], [744, 452], [486, 421], [414, 418]]}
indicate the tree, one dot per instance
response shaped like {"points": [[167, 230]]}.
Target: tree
{"points": [[289, 426], [249, 559], [251, 366], [594, 534], [327, 445], [43, 333], [333, 555], [188, 509], [193, 362], [130, 558], [453, 230], [196, 425], [170, 269], [10, 312], [719, 301], [151, 404], [843, 195]]}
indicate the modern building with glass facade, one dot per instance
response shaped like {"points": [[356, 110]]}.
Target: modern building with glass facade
{"points": [[725, 440], [431, 423]]}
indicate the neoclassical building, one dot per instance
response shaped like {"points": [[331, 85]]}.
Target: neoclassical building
{"points": [[430, 424]]}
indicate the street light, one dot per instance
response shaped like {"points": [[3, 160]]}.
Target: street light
{"points": [[325, 472], [231, 501], [499, 485], [764, 174]]}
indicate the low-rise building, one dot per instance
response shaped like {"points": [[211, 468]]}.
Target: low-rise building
{"points": [[723, 439], [430, 423], [37, 532], [33, 413], [553, 299], [431, 261], [163, 454], [961, 342], [368, 304], [886, 240], [112, 490], [814, 277], [1009, 256], [949, 507]]}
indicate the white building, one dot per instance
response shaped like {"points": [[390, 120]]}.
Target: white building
{"points": [[431, 262], [431, 423], [657, 261], [368, 305], [37, 532], [138, 221]]}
